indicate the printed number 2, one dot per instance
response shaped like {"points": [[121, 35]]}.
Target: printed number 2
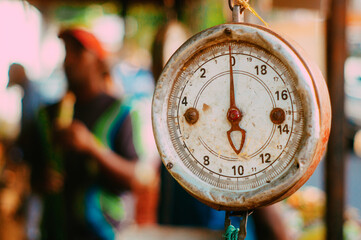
{"points": [[203, 73]]}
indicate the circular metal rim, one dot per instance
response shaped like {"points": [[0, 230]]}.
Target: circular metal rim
{"points": [[317, 124]]}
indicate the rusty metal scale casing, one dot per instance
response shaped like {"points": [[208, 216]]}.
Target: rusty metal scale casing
{"points": [[240, 116]]}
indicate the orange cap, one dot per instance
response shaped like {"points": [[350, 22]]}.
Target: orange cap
{"points": [[87, 39]]}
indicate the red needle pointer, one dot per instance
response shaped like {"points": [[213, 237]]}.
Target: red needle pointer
{"points": [[234, 115]]}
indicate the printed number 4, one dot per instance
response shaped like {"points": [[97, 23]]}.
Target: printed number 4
{"points": [[184, 101]]}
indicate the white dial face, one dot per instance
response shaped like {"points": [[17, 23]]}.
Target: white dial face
{"points": [[235, 116]]}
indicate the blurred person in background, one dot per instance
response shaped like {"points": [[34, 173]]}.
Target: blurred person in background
{"points": [[133, 79], [88, 161], [30, 104], [21, 154]]}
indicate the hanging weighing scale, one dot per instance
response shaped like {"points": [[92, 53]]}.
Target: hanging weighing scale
{"points": [[241, 117]]}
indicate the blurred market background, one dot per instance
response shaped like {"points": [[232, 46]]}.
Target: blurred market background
{"points": [[131, 31]]}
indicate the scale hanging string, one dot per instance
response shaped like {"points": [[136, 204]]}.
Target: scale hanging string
{"points": [[245, 5]]}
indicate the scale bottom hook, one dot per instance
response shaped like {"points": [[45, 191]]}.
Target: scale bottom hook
{"points": [[243, 224]]}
